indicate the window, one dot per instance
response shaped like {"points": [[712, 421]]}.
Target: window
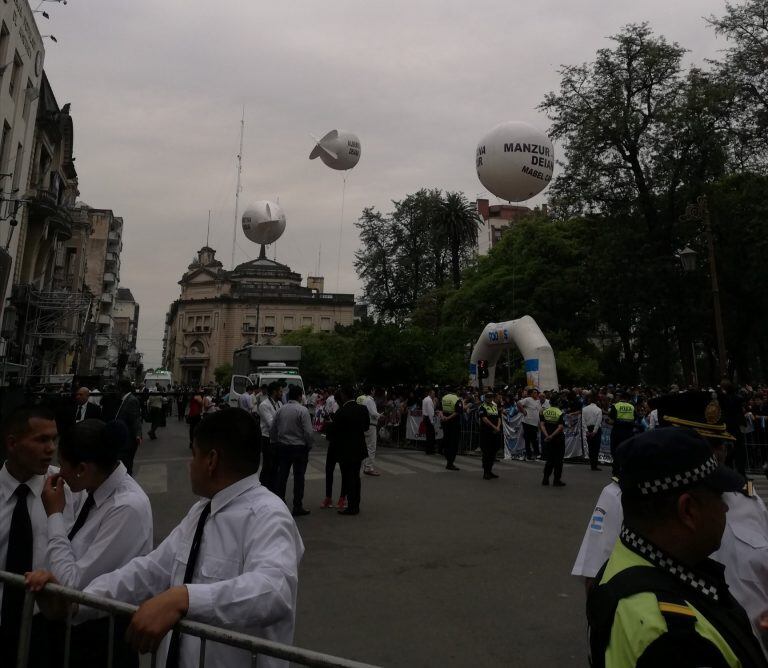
{"points": [[240, 384], [17, 167], [190, 323], [5, 147], [325, 324], [306, 321], [5, 38], [18, 64], [29, 95], [288, 325], [269, 321]]}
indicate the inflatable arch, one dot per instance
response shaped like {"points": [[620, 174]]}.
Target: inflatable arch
{"points": [[524, 333]]}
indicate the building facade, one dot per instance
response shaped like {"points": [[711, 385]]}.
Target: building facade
{"points": [[497, 218], [258, 302], [125, 329], [21, 73]]}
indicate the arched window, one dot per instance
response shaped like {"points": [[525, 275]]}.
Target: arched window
{"points": [[196, 348]]}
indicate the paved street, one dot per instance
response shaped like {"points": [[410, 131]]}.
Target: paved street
{"points": [[439, 569]]}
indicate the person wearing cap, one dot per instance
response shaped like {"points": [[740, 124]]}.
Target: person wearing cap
{"points": [[450, 420], [659, 600], [622, 419], [552, 427], [744, 546], [490, 430]]}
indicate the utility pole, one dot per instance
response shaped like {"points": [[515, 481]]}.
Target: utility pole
{"points": [[237, 190]]}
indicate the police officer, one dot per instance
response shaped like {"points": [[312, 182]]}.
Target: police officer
{"points": [[490, 430], [659, 601], [622, 417], [744, 546], [552, 425], [452, 409]]}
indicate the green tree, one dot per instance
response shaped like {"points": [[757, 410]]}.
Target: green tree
{"points": [[458, 220], [222, 374]]}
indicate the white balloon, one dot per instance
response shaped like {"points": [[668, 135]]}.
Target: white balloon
{"points": [[338, 149], [515, 161], [263, 222]]}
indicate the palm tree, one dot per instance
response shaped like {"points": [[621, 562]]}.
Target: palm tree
{"points": [[458, 221]]}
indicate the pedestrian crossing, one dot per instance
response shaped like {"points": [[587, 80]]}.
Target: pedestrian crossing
{"points": [[152, 473]]}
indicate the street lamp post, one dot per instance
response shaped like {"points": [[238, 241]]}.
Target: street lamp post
{"points": [[700, 212]]}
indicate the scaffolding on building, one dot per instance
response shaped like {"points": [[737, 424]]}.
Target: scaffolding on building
{"points": [[54, 327]]}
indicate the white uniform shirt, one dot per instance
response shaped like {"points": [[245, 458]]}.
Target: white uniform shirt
{"points": [[653, 419], [267, 410], [602, 532], [331, 405], [8, 485], [532, 409], [245, 578], [428, 408], [118, 528], [591, 416], [370, 404], [744, 553]]}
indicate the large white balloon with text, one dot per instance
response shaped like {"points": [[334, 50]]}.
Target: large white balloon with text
{"points": [[338, 150], [263, 222], [515, 161]]}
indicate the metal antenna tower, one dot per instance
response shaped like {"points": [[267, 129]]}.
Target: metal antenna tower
{"points": [[237, 191]]}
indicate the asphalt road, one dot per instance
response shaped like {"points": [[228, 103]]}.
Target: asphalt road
{"points": [[440, 568]]}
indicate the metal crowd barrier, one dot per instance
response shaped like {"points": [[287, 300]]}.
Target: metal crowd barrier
{"points": [[205, 632], [756, 441]]}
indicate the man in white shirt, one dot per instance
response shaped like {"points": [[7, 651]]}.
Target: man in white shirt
{"points": [[530, 407], [29, 436], [232, 561], [370, 435], [246, 400], [428, 418], [267, 410], [592, 429], [331, 405]]}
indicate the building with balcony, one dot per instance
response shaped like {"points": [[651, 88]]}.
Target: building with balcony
{"points": [[21, 73], [257, 302]]}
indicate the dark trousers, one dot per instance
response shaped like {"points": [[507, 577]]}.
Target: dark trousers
{"points": [[555, 452], [429, 448], [290, 457], [180, 409], [90, 645], [451, 441], [130, 453], [350, 483], [531, 435], [619, 434], [489, 445], [46, 642], [593, 447], [331, 459], [193, 422], [268, 473]]}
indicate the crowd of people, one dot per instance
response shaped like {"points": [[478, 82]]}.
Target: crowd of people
{"points": [[88, 525]]}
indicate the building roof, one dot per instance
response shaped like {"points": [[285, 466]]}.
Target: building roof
{"points": [[124, 295]]}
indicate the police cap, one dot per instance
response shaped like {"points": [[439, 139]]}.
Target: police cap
{"points": [[671, 458], [696, 410]]}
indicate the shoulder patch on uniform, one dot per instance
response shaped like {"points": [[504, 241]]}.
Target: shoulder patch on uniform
{"points": [[675, 609], [598, 517]]}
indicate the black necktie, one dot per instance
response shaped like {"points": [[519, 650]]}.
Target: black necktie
{"points": [[90, 502], [81, 413], [18, 559], [173, 648]]}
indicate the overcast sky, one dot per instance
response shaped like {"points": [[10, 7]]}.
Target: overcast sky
{"points": [[157, 88]]}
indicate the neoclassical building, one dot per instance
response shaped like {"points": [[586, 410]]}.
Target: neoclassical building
{"points": [[257, 302]]}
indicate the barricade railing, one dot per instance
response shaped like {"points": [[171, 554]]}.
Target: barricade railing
{"points": [[206, 632]]}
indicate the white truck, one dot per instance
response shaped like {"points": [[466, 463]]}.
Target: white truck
{"points": [[261, 365], [158, 377]]}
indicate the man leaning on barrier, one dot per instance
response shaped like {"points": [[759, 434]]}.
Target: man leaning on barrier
{"points": [[232, 561]]}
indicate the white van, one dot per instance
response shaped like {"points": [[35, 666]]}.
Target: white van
{"points": [[160, 377]]}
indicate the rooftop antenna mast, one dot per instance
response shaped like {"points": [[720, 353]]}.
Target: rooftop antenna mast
{"points": [[237, 191], [208, 233]]}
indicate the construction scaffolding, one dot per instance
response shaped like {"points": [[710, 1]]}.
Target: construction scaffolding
{"points": [[53, 328]]}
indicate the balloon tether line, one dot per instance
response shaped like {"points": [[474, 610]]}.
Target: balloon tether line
{"points": [[341, 229]]}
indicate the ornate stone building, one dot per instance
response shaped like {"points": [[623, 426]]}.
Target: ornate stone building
{"points": [[257, 302]]}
